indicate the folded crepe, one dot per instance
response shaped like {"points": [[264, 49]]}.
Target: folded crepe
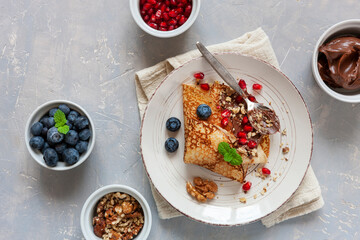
{"points": [[202, 137]]}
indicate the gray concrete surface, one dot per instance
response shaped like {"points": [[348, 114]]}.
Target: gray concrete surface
{"points": [[88, 52]]}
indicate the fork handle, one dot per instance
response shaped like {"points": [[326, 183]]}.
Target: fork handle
{"points": [[220, 69]]}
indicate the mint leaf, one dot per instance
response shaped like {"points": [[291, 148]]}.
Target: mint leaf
{"points": [[230, 154], [223, 148], [60, 118], [60, 122], [228, 157], [63, 129]]}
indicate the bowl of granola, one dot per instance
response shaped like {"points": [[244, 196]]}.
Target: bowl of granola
{"points": [[116, 212]]}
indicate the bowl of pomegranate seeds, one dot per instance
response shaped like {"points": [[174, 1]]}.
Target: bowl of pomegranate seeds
{"points": [[165, 18]]}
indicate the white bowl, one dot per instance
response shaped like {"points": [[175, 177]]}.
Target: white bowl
{"points": [[348, 27], [38, 114], [135, 11], [88, 210]]}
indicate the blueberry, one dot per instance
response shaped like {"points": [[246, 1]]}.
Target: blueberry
{"points": [[70, 156], [72, 116], [203, 111], [46, 145], [60, 147], [36, 129], [64, 108], [81, 146], [53, 136], [85, 134], [173, 124], [37, 142], [69, 124], [51, 157], [72, 137], [48, 122], [81, 122], [52, 112], [171, 144], [44, 131]]}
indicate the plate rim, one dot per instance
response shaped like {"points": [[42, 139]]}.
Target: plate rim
{"points": [[217, 54]]}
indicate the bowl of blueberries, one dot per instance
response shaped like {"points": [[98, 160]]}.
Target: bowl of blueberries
{"points": [[60, 135]]}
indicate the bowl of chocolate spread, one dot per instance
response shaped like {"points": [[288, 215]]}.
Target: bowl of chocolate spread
{"points": [[336, 61]]}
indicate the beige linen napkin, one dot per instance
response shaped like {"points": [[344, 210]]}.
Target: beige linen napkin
{"points": [[307, 198]]}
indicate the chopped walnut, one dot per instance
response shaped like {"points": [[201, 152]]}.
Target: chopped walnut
{"points": [[284, 132], [203, 189], [242, 200], [118, 216], [285, 150]]}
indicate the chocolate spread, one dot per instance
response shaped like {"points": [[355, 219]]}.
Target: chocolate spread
{"points": [[339, 63]]}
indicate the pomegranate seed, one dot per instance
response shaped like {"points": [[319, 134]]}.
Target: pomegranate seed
{"points": [[153, 25], [157, 6], [183, 1], [242, 84], [188, 9], [252, 98], [205, 86], [180, 5], [146, 6], [163, 7], [239, 99], [246, 187], [146, 18], [167, 2], [172, 22], [163, 24], [173, 13], [241, 135], [226, 113], [143, 12], [173, 2], [153, 18], [166, 16], [151, 1], [252, 144], [167, 9], [179, 10], [158, 14], [257, 86], [224, 122], [163, 29], [142, 2], [248, 128], [266, 171], [199, 75], [243, 141], [182, 20], [151, 11], [178, 17], [171, 28], [245, 120], [218, 107]]}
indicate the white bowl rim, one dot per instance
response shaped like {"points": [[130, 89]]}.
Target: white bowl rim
{"points": [[32, 151], [99, 193], [318, 79], [135, 12]]}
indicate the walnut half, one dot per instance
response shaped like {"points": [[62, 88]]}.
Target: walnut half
{"points": [[203, 189]]}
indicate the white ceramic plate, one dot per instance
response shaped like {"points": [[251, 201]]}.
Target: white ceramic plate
{"points": [[169, 173]]}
